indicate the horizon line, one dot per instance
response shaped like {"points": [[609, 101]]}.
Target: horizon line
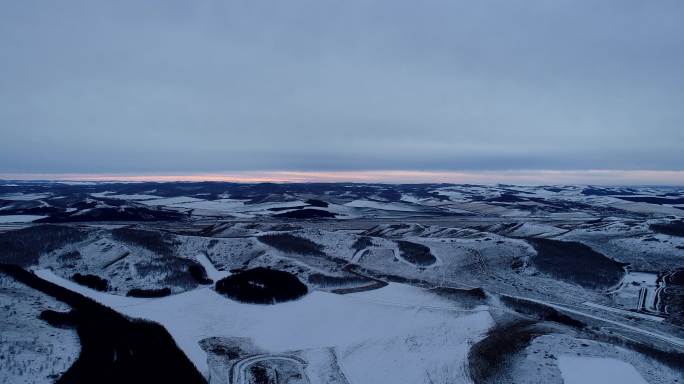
{"points": [[485, 177]]}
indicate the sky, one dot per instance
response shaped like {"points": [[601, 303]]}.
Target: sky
{"points": [[343, 87]]}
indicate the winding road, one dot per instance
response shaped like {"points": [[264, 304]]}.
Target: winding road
{"points": [[239, 373]]}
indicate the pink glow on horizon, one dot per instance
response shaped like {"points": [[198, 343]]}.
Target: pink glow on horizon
{"points": [[531, 177]]}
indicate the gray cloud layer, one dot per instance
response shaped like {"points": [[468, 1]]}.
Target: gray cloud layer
{"points": [[131, 86]]}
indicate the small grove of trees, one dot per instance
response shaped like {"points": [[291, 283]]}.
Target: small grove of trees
{"points": [[362, 242], [150, 240], [139, 292], [262, 286], [674, 228], [176, 271], [326, 281], [198, 273], [91, 281], [576, 262], [24, 246], [306, 214], [418, 254], [489, 358], [289, 243]]}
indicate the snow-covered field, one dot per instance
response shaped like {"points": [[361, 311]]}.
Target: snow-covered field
{"points": [[395, 334], [4, 219], [24, 196], [380, 205], [113, 195], [597, 370]]}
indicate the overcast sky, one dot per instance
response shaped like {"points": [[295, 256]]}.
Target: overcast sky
{"points": [[211, 86]]}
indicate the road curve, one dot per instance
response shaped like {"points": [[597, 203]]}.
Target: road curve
{"points": [[239, 369]]}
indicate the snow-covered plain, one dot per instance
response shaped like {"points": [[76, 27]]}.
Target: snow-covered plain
{"points": [[596, 370], [395, 334], [19, 218], [112, 195], [380, 205], [24, 196]]}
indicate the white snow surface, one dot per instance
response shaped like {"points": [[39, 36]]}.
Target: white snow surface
{"points": [[380, 205], [24, 196], [232, 207], [19, 218], [124, 196], [596, 370], [221, 206], [395, 334], [212, 272], [171, 200]]}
